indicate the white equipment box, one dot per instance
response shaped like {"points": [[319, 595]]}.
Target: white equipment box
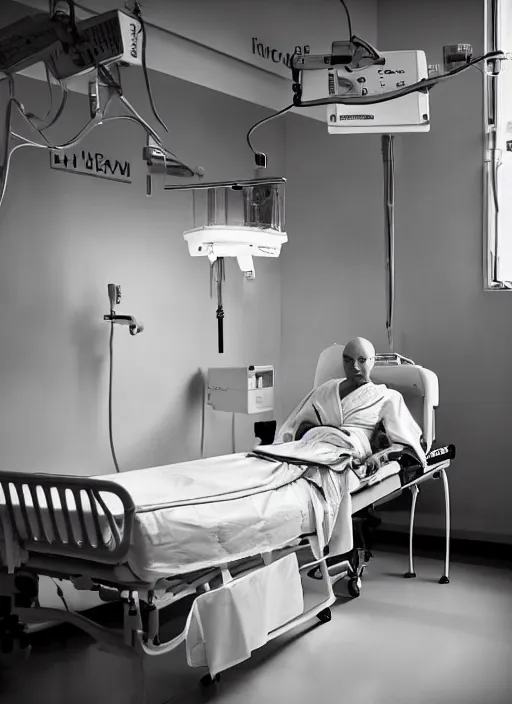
{"points": [[410, 113], [407, 114], [241, 389]]}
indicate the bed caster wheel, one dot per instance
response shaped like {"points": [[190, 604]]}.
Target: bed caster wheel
{"points": [[208, 680], [354, 588], [324, 616], [410, 575], [444, 580]]}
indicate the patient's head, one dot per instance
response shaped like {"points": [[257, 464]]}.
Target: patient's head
{"points": [[358, 360]]}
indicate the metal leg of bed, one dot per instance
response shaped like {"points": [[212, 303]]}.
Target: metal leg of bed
{"points": [[445, 579], [411, 574]]}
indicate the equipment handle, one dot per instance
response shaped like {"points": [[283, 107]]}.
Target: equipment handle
{"points": [[220, 328]]}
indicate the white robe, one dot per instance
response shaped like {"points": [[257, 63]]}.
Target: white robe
{"points": [[360, 412]]}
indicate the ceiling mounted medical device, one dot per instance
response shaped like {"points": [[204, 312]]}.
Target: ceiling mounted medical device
{"points": [[71, 46], [242, 219], [370, 78], [368, 91]]}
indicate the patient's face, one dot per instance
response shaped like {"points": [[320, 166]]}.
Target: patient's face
{"points": [[358, 361]]}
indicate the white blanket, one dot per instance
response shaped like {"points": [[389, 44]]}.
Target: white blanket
{"points": [[340, 441], [360, 412]]}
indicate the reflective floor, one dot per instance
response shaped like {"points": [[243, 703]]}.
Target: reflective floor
{"points": [[401, 641]]}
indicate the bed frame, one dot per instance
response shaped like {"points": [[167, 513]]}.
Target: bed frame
{"points": [[77, 550]]}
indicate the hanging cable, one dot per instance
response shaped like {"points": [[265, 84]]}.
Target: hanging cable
{"points": [[262, 122], [110, 389], [137, 11], [424, 85], [348, 19], [388, 158], [60, 594]]}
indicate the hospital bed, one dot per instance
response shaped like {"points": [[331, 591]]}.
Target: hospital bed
{"points": [[123, 537]]}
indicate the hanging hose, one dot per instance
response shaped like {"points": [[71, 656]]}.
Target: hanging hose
{"points": [[388, 158], [111, 374]]}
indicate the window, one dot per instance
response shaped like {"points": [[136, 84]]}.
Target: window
{"points": [[498, 148]]}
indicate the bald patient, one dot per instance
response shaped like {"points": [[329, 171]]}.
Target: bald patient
{"points": [[376, 414], [358, 362]]}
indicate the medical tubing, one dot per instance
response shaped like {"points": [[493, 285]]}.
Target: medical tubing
{"points": [[110, 384]]}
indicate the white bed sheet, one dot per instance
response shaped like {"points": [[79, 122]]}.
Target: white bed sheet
{"points": [[177, 540], [169, 541]]}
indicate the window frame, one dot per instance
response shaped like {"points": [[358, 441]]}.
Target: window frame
{"points": [[497, 17]]}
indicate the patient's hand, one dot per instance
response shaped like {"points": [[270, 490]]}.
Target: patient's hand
{"points": [[379, 459]]}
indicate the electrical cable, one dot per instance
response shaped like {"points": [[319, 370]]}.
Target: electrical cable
{"points": [[60, 594], [388, 157], [110, 385], [203, 415], [262, 122], [4, 169], [137, 11], [72, 17], [424, 85], [149, 130], [348, 18], [94, 122]]}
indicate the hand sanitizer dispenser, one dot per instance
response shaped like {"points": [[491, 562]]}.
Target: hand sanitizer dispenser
{"points": [[246, 390]]}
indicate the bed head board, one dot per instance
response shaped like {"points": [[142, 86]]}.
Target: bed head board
{"points": [[418, 386]]}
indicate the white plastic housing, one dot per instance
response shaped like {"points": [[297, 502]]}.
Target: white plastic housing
{"points": [[110, 37], [236, 241], [247, 390], [244, 221], [409, 113]]}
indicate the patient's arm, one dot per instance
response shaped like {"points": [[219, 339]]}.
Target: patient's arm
{"points": [[382, 457]]}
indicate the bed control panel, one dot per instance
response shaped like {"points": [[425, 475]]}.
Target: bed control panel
{"points": [[246, 390], [441, 454]]}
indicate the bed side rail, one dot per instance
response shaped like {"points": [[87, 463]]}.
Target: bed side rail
{"points": [[78, 517]]}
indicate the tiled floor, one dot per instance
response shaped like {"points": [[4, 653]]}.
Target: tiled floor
{"points": [[410, 642]]}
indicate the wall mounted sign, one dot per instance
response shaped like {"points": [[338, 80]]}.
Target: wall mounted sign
{"points": [[91, 164], [275, 56]]}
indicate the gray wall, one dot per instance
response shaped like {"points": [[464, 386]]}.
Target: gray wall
{"points": [[63, 238], [333, 275], [333, 266]]}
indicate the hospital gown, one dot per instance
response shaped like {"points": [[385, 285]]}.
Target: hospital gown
{"points": [[360, 411]]}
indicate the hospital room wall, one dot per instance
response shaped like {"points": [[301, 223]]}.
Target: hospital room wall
{"points": [[333, 267], [64, 237], [444, 317]]}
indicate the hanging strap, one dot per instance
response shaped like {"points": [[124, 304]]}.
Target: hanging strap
{"points": [[388, 158]]}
